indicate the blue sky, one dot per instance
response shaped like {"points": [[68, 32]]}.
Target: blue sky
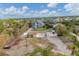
{"points": [[28, 10]]}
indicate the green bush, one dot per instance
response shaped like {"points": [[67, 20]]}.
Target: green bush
{"points": [[42, 51]]}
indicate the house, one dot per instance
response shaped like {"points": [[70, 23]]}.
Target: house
{"points": [[40, 35], [38, 24], [46, 34]]}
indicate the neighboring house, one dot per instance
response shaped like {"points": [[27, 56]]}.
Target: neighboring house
{"points": [[40, 35], [46, 34], [38, 24]]}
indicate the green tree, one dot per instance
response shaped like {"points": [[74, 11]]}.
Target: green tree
{"points": [[61, 29]]}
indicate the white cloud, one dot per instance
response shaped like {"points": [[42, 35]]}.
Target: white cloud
{"points": [[8, 11], [25, 12], [72, 8], [37, 13], [1, 12], [59, 9], [52, 5], [54, 13], [44, 11], [13, 10], [25, 8]]}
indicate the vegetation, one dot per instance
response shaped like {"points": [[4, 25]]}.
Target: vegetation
{"points": [[41, 51], [12, 28], [61, 29], [41, 29]]}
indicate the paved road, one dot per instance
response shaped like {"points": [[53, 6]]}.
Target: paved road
{"points": [[61, 47]]}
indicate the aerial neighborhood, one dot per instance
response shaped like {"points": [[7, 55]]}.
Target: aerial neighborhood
{"points": [[40, 36], [39, 29]]}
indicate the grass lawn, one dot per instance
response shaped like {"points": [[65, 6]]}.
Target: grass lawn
{"points": [[40, 29]]}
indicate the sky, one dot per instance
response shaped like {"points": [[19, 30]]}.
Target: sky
{"points": [[31, 10]]}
